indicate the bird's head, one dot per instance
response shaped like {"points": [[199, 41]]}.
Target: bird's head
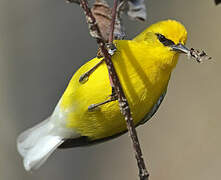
{"points": [[167, 36], [168, 32]]}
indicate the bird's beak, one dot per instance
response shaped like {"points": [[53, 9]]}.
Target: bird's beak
{"points": [[180, 48]]}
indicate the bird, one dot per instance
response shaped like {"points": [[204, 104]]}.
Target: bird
{"points": [[143, 65]]}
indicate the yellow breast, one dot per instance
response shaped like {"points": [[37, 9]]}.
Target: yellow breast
{"points": [[143, 77]]}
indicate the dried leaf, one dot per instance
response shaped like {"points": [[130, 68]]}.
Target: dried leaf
{"points": [[102, 13]]}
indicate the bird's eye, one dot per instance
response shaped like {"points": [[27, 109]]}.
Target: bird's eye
{"points": [[164, 40]]}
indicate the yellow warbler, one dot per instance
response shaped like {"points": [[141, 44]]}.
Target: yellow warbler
{"points": [[144, 66]]}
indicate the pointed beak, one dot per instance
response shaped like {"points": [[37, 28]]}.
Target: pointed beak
{"points": [[180, 48]]}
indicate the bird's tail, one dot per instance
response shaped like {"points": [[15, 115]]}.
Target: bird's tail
{"points": [[36, 144]]}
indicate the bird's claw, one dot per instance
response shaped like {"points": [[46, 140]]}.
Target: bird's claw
{"points": [[111, 48], [113, 97]]}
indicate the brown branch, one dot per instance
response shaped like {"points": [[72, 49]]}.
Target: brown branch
{"points": [[123, 103], [124, 106]]}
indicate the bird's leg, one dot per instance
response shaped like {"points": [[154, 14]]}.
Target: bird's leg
{"points": [[111, 49], [84, 77], [113, 97]]}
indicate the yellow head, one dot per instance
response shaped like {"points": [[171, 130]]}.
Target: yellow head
{"points": [[170, 29], [166, 39]]}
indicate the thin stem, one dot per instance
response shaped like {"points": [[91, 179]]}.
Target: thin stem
{"points": [[124, 106], [114, 13]]}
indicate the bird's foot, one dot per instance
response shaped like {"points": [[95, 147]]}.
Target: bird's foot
{"points": [[113, 97], [84, 77], [111, 48]]}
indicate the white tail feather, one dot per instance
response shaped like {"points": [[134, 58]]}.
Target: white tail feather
{"points": [[28, 138], [38, 154], [36, 144]]}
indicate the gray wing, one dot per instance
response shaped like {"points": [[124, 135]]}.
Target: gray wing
{"points": [[154, 109]]}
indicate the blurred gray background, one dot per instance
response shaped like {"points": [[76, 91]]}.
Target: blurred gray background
{"points": [[42, 43]]}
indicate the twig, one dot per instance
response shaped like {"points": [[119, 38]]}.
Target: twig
{"points": [[114, 13], [124, 106], [197, 55]]}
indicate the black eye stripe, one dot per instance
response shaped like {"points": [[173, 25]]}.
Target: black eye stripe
{"points": [[164, 40]]}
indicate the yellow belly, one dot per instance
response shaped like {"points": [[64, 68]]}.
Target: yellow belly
{"points": [[143, 81]]}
